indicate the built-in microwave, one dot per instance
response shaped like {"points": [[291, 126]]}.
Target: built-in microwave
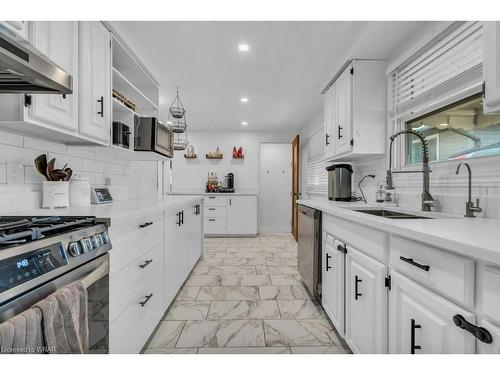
{"points": [[152, 135]]}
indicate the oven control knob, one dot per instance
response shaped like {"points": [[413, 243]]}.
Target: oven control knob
{"points": [[104, 237], [74, 249], [96, 241], [86, 244]]}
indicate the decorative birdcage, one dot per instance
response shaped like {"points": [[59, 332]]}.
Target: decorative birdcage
{"points": [[176, 108], [180, 141]]}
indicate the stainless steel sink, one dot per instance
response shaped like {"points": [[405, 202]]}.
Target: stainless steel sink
{"points": [[392, 214]]}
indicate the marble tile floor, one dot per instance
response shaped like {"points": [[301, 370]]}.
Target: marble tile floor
{"points": [[246, 297]]}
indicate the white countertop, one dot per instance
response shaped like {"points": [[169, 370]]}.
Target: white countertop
{"points": [[202, 192], [116, 212], [473, 237]]}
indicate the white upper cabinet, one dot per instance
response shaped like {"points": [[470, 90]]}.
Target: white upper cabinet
{"points": [[366, 303], [328, 112], [491, 67], [332, 281], [95, 81], [421, 322], [355, 111], [59, 41]]}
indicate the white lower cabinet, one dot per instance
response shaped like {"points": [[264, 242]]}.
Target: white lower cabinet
{"points": [[183, 246], [494, 346], [366, 303], [420, 321], [332, 283], [231, 215]]}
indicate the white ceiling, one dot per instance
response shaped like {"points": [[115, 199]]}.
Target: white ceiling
{"points": [[282, 75]]}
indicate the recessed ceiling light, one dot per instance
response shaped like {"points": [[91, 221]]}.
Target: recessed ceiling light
{"points": [[244, 100], [244, 123], [243, 47]]}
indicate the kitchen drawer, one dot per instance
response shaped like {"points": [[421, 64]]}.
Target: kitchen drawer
{"points": [[215, 225], [491, 292], [451, 274], [215, 201], [127, 283], [215, 212], [133, 238], [130, 331], [367, 240]]}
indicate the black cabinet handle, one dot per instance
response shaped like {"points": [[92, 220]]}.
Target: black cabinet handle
{"points": [[339, 132], [146, 224], [230, 202], [178, 214], [413, 263], [101, 112], [328, 256], [479, 333], [148, 297], [357, 280], [327, 139], [211, 209], [145, 264], [412, 342], [211, 219], [197, 209], [211, 197], [182, 217], [342, 248]]}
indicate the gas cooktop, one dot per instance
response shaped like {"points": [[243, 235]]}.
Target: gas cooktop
{"points": [[17, 230]]}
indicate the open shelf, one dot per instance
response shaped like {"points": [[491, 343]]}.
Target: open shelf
{"points": [[144, 105], [215, 157]]}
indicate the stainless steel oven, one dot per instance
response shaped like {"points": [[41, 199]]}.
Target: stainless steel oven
{"points": [[39, 256], [152, 135]]}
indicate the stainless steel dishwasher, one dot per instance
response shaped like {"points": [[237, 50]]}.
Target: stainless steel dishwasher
{"points": [[309, 248]]}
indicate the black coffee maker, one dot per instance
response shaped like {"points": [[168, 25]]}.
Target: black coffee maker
{"points": [[229, 182]]}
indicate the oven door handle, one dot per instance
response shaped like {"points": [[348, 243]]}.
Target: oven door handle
{"points": [[96, 274]]}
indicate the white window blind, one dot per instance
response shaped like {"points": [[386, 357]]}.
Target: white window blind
{"points": [[317, 178], [450, 64]]}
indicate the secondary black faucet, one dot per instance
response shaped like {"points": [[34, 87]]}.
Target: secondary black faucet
{"points": [[469, 205]]}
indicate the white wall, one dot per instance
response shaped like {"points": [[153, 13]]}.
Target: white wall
{"points": [[100, 165], [191, 175], [275, 187]]}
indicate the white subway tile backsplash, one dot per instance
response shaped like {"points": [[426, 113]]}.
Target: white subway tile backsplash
{"points": [[11, 139], [40, 144], [93, 165], [112, 168], [31, 175], [74, 162], [18, 154]]}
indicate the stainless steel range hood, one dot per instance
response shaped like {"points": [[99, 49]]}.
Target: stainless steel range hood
{"points": [[24, 69]]}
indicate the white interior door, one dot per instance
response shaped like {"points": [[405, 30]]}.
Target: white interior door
{"points": [[275, 187]]}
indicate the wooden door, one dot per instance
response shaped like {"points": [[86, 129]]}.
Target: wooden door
{"points": [[295, 185], [366, 304], [421, 322]]}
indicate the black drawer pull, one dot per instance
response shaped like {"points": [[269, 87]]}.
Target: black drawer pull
{"points": [[148, 297], [327, 139], [211, 219], [339, 133], [146, 224], [211, 197], [479, 333], [412, 342], [101, 112], [211, 209], [413, 263], [146, 263], [328, 256], [357, 280]]}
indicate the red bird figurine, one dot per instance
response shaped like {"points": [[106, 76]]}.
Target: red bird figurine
{"points": [[240, 152], [235, 152]]}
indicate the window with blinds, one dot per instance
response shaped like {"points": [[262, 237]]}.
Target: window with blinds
{"points": [[450, 64], [317, 178]]}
